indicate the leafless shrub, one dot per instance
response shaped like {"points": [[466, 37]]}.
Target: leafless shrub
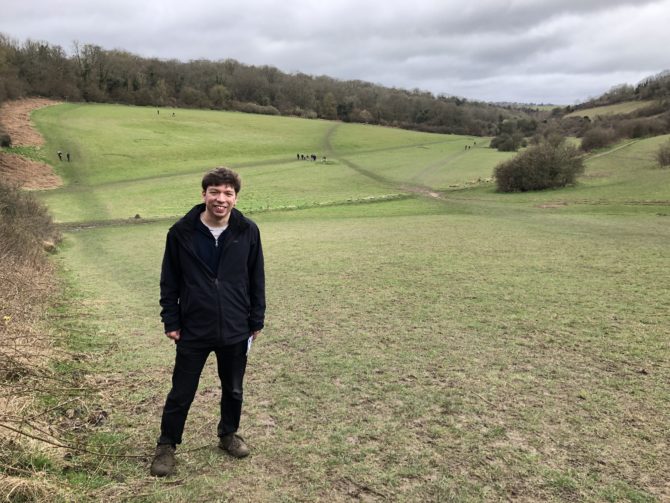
{"points": [[598, 137], [26, 279], [24, 225], [663, 155], [544, 166]]}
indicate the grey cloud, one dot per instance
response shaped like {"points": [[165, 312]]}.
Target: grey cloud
{"points": [[526, 50]]}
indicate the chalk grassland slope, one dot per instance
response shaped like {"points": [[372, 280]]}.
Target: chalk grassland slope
{"points": [[449, 344], [436, 162], [117, 143], [619, 108], [128, 161]]}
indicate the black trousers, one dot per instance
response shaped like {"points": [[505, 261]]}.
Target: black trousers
{"points": [[189, 362]]}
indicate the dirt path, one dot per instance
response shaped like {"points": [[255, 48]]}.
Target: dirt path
{"points": [[15, 120]]}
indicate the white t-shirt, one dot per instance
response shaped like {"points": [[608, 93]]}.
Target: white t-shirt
{"points": [[216, 231]]}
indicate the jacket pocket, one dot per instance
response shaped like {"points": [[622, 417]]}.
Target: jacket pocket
{"points": [[234, 298]]}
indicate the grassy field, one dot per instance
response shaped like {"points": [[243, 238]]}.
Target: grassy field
{"points": [[427, 338], [620, 108]]}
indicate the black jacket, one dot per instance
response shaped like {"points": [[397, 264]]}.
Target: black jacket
{"points": [[213, 307]]}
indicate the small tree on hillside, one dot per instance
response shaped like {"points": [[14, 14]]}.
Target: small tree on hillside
{"points": [[663, 155], [219, 95], [545, 166]]}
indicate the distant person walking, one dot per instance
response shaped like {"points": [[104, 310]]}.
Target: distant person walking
{"points": [[67, 155], [212, 294], [60, 155]]}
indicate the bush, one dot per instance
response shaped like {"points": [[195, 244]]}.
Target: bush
{"points": [[639, 128], [663, 155], [5, 138], [507, 142], [544, 166], [253, 108], [28, 287], [25, 226], [597, 137], [195, 98]]}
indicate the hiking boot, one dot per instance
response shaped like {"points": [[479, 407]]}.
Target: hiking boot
{"points": [[163, 463], [234, 445]]}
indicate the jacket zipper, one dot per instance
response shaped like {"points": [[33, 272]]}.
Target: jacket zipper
{"points": [[218, 309]]}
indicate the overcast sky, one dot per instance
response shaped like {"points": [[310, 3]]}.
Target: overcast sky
{"points": [[541, 51]]}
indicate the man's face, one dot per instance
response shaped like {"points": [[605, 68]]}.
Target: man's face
{"points": [[219, 202]]}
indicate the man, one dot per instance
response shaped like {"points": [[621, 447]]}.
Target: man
{"points": [[213, 299]]}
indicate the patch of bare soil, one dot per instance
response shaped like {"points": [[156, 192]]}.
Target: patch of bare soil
{"points": [[560, 204], [15, 120], [422, 191]]}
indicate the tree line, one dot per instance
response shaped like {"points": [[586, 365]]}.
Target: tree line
{"points": [[655, 87], [94, 74]]}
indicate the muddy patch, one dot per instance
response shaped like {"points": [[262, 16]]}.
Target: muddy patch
{"points": [[552, 205]]}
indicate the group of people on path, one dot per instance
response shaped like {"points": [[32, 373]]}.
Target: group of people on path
{"points": [[309, 157], [60, 156]]}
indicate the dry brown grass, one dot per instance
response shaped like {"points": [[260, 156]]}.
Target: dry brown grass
{"points": [[27, 173], [25, 352], [15, 119], [17, 170], [27, 283], [34, 489]]}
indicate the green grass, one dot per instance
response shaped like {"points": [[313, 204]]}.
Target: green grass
{"points": [[111, 143], [460, 346], [166, 197], [624, 180], [619, 108], [387, 365], [34, 153], [439, 166], [545, 108]]}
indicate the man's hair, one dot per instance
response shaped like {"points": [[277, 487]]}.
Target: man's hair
{"points": [[222, 176]]}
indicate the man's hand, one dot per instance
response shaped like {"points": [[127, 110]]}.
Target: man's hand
{"points": [[174, 335], [255, 334]]}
